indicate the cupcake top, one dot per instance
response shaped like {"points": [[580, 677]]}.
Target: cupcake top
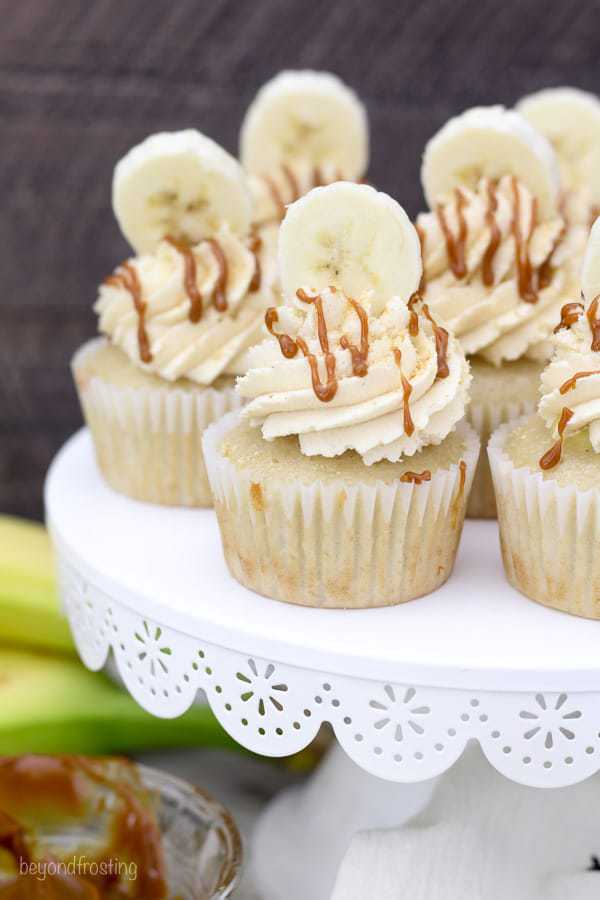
{"points": [[570, 384], [303, 130], [570, 119], [498, 256], [355, 360], [192, 301]]}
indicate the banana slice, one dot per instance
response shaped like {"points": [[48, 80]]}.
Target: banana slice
{"points": [[590, 269], [570, 119], [180, 184], [351, 237], [305, 117], [490, 141]]}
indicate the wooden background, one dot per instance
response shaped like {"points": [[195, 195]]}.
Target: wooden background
{"points": [[80, 82]]}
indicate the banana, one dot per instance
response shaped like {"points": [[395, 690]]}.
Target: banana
{"points": [[490, 141], [29, 606], [180, 184], [305, 117], [351, 237], [590, 269], [570, 119]]}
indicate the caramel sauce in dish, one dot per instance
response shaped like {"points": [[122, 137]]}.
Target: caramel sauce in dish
{"points": [[126, 277], [45, 795], [552, 457]]}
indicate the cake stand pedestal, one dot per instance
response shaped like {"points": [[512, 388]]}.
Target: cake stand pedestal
{"points": [[404, 688]]}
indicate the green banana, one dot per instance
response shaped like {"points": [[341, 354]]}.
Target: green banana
{"points": [[51, 704], [28, 595]]}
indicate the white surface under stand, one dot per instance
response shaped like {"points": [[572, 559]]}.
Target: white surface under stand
{"points": [[404, 688]]}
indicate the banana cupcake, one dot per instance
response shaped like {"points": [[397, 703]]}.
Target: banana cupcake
{"points": [[546, 466], [499, 261], [570, 119], [344, 480], [176, 318]]}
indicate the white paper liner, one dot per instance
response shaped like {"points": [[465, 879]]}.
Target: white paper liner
{"points": [[486, 417], [549, 534], [148, 440], [338, 544]]}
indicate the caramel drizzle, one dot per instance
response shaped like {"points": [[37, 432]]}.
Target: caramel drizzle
{"points": [[594, 213], [190, 273], [569, 314], [413, 323], [287, 345], [525, 272], [324, 392], [552, 457], [126, 277], [409, 425], [571, 383], [546, 268], [416, 477], [292, 181], [317, 180], [255, 246], [487, 265], [594, 323], [275, 194], [359, 355], [455, 246], [441, 344], [462, 477], [189, 278], [219, 295]]}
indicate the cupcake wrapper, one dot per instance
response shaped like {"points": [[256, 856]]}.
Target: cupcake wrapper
{"points": [[335, 544], [148, 441], [485, 419], [548, 533]]}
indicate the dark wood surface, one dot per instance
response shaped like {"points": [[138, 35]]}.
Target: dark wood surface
{"points": [[80, 82]]}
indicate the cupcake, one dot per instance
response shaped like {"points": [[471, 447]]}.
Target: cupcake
{"points": [[570, 119], [499, 261], [176, 318], [343, 482], [546, 466]]}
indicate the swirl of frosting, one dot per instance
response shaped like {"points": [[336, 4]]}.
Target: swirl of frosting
{"points": [[494, 273], [187, 312], [570, 384], [342, 377]]}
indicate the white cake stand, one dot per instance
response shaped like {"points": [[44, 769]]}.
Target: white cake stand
{"points": [[404, 688]]}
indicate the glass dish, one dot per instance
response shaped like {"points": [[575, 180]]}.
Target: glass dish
{"points": [[201, 843]]}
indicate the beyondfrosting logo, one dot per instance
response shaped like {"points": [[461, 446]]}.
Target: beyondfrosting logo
{"points": [[112, 869]]}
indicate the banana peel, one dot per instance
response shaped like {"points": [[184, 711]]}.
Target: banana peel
{"points": [[52, 704], [30, 611]]}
